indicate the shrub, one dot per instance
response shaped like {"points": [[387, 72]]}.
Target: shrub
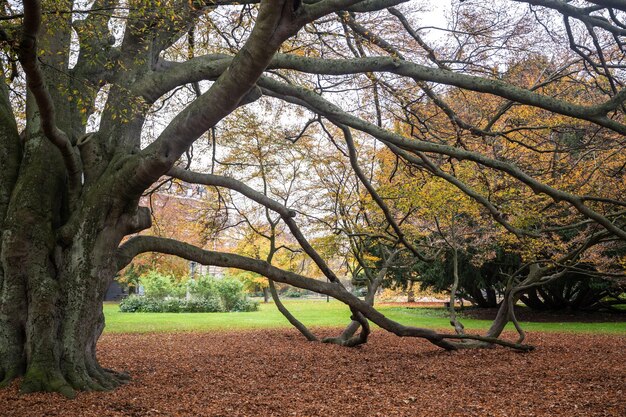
{"points": [[292, 293], [231, 292], [208, 294], [246, 305], [203, 287], [203, 305], [131, 304], [134, 304], [157, 285]]}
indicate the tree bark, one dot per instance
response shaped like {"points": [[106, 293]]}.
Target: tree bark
{"points": [[290, 317], [410, 292], [51, 301], [11, 314], [454, 321], [68, 199]]}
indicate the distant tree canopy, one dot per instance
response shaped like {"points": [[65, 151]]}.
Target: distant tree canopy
{"points": [[320, 127]]}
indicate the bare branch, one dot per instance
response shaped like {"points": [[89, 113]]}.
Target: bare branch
{"points": [[209, 67], [582, 14], [286, 214], [338, 116], [379, 201]]}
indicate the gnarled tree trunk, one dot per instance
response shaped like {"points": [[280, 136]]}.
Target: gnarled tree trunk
{"points": [[67, 199], [55, 270], [11, 314]]}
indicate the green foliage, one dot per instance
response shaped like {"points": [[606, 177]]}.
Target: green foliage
{"points": [[163, 294], [135, 304], [246, 305], [159, 286], [251, 280], [576, 290], [292, 293], [230, 290], [481, 281], [131, 277], [203, 287]]}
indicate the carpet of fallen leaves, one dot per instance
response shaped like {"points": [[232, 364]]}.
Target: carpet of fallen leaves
{"points": [[278, 373]]}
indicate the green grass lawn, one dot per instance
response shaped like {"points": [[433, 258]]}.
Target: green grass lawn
{"points": [[315, 313]]}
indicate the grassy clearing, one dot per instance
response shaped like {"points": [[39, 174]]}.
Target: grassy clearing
{"points": [[315, 313]]}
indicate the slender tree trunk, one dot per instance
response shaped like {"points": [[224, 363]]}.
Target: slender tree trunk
{"points": [[410, 292], [266, 295], [458, 326], [279, 304], [372, 288], [354, 325], [504, 314], [506, 311]]}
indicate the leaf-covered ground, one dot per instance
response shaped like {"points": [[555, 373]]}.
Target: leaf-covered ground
{"points": [[277, 373]]}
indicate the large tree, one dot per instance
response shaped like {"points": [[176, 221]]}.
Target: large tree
{"points": [[85, 80]]}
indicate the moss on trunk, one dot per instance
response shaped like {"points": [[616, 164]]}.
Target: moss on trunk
{"points": [[52, 291]]}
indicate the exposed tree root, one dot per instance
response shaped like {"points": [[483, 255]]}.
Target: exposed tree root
{"points": [[7, 375], [50, 379], [92, 377], [46, 377]]}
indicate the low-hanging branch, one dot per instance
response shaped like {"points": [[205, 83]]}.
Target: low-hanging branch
{"points": [[142, 244], [286, 214], [287, 314]]}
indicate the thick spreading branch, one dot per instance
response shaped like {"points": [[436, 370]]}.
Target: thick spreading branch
{"points": [[277, 20], [272, 27], [319, 105], [209, 67], [37, 85], [141, 244]]}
